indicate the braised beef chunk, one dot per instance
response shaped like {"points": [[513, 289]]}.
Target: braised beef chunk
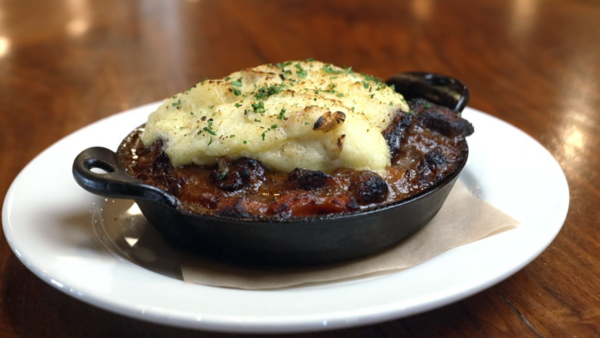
{"points": [[236, 175], [435, 157], [308, 179], [232, 207], [167, 179], [368, 188], [251, 170], [227, 180], [162, 164], [440, 119], [396, 132], [428, 169], [304, 203]]}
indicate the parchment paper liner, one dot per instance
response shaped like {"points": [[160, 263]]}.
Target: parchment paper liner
{"points": [[462, 219]]}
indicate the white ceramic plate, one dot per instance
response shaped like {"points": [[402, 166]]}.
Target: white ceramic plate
{"points": [[52, 226]]}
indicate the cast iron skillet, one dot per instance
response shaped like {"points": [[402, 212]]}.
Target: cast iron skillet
{"points": [[284, 242]]}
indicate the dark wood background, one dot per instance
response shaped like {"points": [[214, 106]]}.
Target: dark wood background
{"points": [[532, 63]]}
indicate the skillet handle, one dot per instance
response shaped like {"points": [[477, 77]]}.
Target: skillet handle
{"points": [[116, 182], [436, 88]]}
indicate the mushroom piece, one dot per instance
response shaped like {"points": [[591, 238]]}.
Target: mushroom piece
{"points": [[368, 187]]}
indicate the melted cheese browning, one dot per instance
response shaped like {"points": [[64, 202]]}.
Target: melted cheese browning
{"points": [[272, 113]]}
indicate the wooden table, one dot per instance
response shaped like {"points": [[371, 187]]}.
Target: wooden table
{"points": [[532, 63]]}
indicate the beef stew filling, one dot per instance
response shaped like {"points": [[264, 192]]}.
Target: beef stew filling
{"points": [[426, 144]]}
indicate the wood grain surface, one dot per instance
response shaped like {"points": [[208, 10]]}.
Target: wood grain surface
{"points": [[533, 63]]}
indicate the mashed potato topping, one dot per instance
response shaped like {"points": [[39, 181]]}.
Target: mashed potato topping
{"points": [[296, 114]]}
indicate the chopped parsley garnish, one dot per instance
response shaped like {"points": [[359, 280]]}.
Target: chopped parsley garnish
{"points": [[340, 95], [237, 105], [210, 141], [427, 105], [329, 70], [209, 131], [237, 83], [209, 128], [281, 115], [273, 127], [258, 107], [330, 88], [222, 175], [236, 86], [310, 60], [282, 65], [371, 78], [366, 84], [177, 104], [301, 71], [264, 92], [244, 141]]}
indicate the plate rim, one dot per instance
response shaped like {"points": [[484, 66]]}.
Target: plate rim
{"points": [[374, 314]]}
